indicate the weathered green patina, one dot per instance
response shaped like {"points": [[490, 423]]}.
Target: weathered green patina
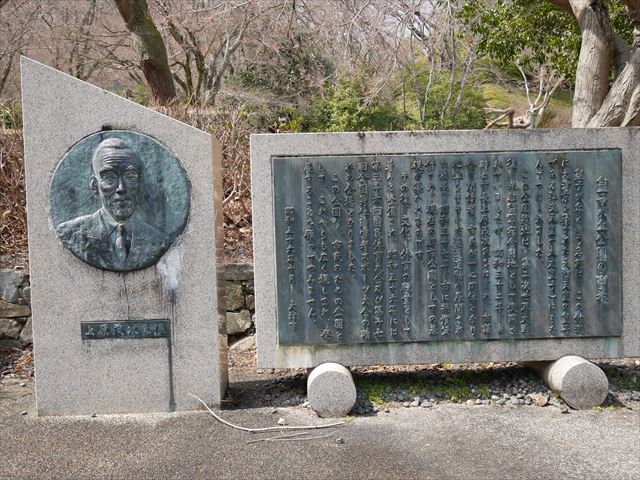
{"points": [[455, 246], [119, 200]]}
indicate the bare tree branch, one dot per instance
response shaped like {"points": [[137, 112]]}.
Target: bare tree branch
{"points": [[266, 429], [503, 113]]}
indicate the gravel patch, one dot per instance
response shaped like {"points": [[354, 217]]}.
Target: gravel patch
{"points": [[382, 389]]}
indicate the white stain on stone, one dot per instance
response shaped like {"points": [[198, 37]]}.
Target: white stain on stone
{"points": [[169, 269]]}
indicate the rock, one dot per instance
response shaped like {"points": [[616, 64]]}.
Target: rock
{"points": [[387, 410], [339, 441], [330, 390], [282, 421], [26, 294], [23, 413], [245, 344], [539, 399], [238, 272], [495, 398], [249, 287], [238, 322], [478, 402], [427, 404], [251, 302], [470, 403], [234, 298], [10, 328], [10, 281], [7, 343], [406, 404], [415, 403], [502, 401], [26, 335], [514, 401], [306, 404], [12, 310]]}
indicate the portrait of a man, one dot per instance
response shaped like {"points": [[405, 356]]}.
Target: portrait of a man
{"points": [[116, 236]]}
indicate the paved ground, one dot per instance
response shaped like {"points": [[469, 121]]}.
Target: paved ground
{"points": [[446, 442]]}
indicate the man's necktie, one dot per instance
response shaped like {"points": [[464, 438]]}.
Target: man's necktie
{"points": [[122, 247]]}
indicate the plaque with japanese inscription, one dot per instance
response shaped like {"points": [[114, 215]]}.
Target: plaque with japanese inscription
{"points": [[126, 329], [437, 247]]}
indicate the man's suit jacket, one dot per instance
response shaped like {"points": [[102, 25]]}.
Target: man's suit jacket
{"points": [[91, 239]]}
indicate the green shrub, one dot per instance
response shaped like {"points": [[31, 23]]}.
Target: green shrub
{"points": [[468, 114], [347, 108], [11, 116]]}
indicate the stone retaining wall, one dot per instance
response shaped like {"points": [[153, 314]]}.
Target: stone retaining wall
{"points": [[239, 298], [15, 304], [15, 308]]}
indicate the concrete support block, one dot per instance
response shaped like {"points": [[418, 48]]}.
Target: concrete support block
{"points": [[330, 390], [580, 383]]}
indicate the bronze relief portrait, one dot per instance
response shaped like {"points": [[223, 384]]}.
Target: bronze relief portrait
{"points": [[119, 200]]}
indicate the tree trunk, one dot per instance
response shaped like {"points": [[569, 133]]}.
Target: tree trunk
{"points": [[615, 108], [594, 62], [6, 71], [150, 49]]}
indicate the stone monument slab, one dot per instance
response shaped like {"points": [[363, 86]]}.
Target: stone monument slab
{"points": [[423, 247], [125, 238]]}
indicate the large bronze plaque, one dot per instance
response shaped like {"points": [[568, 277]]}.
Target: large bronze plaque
{"points": [[119, 200], [473, 246]]}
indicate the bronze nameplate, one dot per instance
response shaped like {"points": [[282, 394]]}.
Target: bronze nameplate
{"points": [[125, 329]]}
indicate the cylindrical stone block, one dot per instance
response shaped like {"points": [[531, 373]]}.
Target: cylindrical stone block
{"points": [[330, 390], [580, 383]]}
